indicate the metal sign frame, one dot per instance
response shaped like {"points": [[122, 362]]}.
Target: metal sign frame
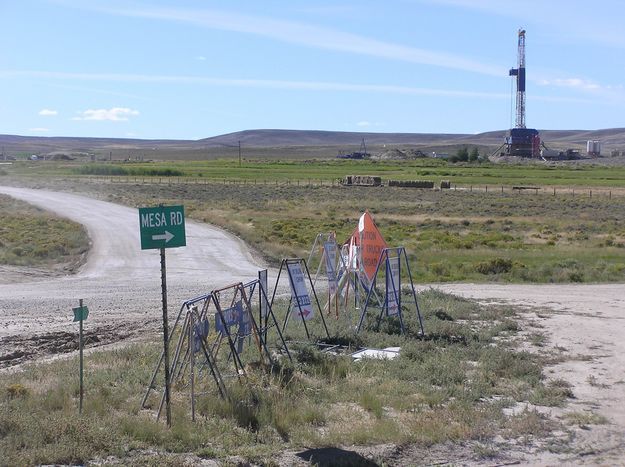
{"points": [[284, 265], [398, 252], [209, 307]]}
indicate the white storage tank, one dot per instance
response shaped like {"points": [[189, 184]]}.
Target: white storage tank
{"points": [[593, 148]]}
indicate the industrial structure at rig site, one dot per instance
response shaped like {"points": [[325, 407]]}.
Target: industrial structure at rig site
{"points": [[521, 141]]}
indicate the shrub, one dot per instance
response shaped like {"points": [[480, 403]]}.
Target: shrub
{"points": [[17, 390], [494, 266]]}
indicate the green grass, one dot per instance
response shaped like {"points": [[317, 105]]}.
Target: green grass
{"points": [[450, 387], [32, 237], [317, 170], [449, 235]]}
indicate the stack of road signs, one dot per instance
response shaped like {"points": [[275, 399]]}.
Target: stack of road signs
{"points": [[359, 259], [206, 322]]}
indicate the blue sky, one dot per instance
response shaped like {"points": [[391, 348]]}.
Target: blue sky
{"points": [[192, 69]]}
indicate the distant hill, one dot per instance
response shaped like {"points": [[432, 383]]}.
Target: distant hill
{"points": [[267, 138], [281, 138]]}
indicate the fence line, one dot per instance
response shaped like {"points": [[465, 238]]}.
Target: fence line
{"points": [[518, 190]]}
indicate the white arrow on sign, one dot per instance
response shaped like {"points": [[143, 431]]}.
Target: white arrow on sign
{"points": [[167, 236]]}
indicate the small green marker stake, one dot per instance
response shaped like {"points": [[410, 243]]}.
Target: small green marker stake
{"points": [[80, 314]]}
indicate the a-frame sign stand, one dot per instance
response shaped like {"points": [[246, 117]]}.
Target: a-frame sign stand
{"points": [[391, 258], [194, 331], [329, 259], [298, 274], [192, 316]]}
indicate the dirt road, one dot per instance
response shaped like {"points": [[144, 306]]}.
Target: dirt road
{"points": [[119, 282], [121, 285], [587, 322]]}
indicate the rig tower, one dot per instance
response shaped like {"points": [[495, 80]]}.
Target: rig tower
{"points": [[521, 141]]}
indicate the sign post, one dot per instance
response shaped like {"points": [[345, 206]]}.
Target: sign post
{"points": [[80, 314], [163, 227]]}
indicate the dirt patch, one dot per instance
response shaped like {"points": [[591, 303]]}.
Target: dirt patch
{"points": [[19, 349]]}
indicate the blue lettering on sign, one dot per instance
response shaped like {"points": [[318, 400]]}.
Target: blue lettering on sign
{"points": [[303, 301]]}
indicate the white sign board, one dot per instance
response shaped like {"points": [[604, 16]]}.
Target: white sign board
{"points": [[329, 249], [393, 286], [301, 300]]}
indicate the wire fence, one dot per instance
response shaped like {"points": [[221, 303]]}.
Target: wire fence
{"points": [[518, 190]]}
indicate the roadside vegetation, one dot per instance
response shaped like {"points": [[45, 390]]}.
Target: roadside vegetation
{"points": [[449, 235], [33, 237], [451, 386]]}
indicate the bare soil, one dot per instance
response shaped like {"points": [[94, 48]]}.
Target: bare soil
{"points": [[585, 324]]}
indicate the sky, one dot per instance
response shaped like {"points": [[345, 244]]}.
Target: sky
{"points": [[191, 69]]}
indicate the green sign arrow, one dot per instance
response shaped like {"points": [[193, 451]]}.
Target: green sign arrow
{"points": [[162, 227], [80, 313]]}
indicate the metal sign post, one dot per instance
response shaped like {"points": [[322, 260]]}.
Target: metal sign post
{"points": [[80, 314], [165, 336], [160, 228]]}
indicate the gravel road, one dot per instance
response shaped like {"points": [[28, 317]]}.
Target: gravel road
{"points": [[119, 282]]}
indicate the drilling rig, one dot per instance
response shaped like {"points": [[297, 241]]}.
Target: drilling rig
{"points": [[521, 141]]}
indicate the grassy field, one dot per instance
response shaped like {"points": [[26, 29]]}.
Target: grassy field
{"points": [[32, 237], [449, 235], [453, 386], [327, 170]]}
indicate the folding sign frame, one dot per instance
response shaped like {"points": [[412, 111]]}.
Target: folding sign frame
{"points": [[195, 315], [392, 305], [194, 334], [331, 266], [297, 271]]}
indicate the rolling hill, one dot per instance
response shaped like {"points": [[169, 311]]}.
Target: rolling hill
{"points": [[268, 138]]}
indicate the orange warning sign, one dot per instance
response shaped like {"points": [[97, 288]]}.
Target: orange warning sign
{"points": [[370, 243]]}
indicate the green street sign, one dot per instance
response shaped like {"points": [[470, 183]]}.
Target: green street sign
{"points": [[80, 313], [162, 227]]}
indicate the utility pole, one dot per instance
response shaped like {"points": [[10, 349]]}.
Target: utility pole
{"points": [[239, 154]]}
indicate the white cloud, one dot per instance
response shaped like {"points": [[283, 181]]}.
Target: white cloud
{"points": [[115, 114], [307, 35], [39, 130], [367, 124], [320, 86], [248, 83], [48, 112], [200, 58], [576, 83]]}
